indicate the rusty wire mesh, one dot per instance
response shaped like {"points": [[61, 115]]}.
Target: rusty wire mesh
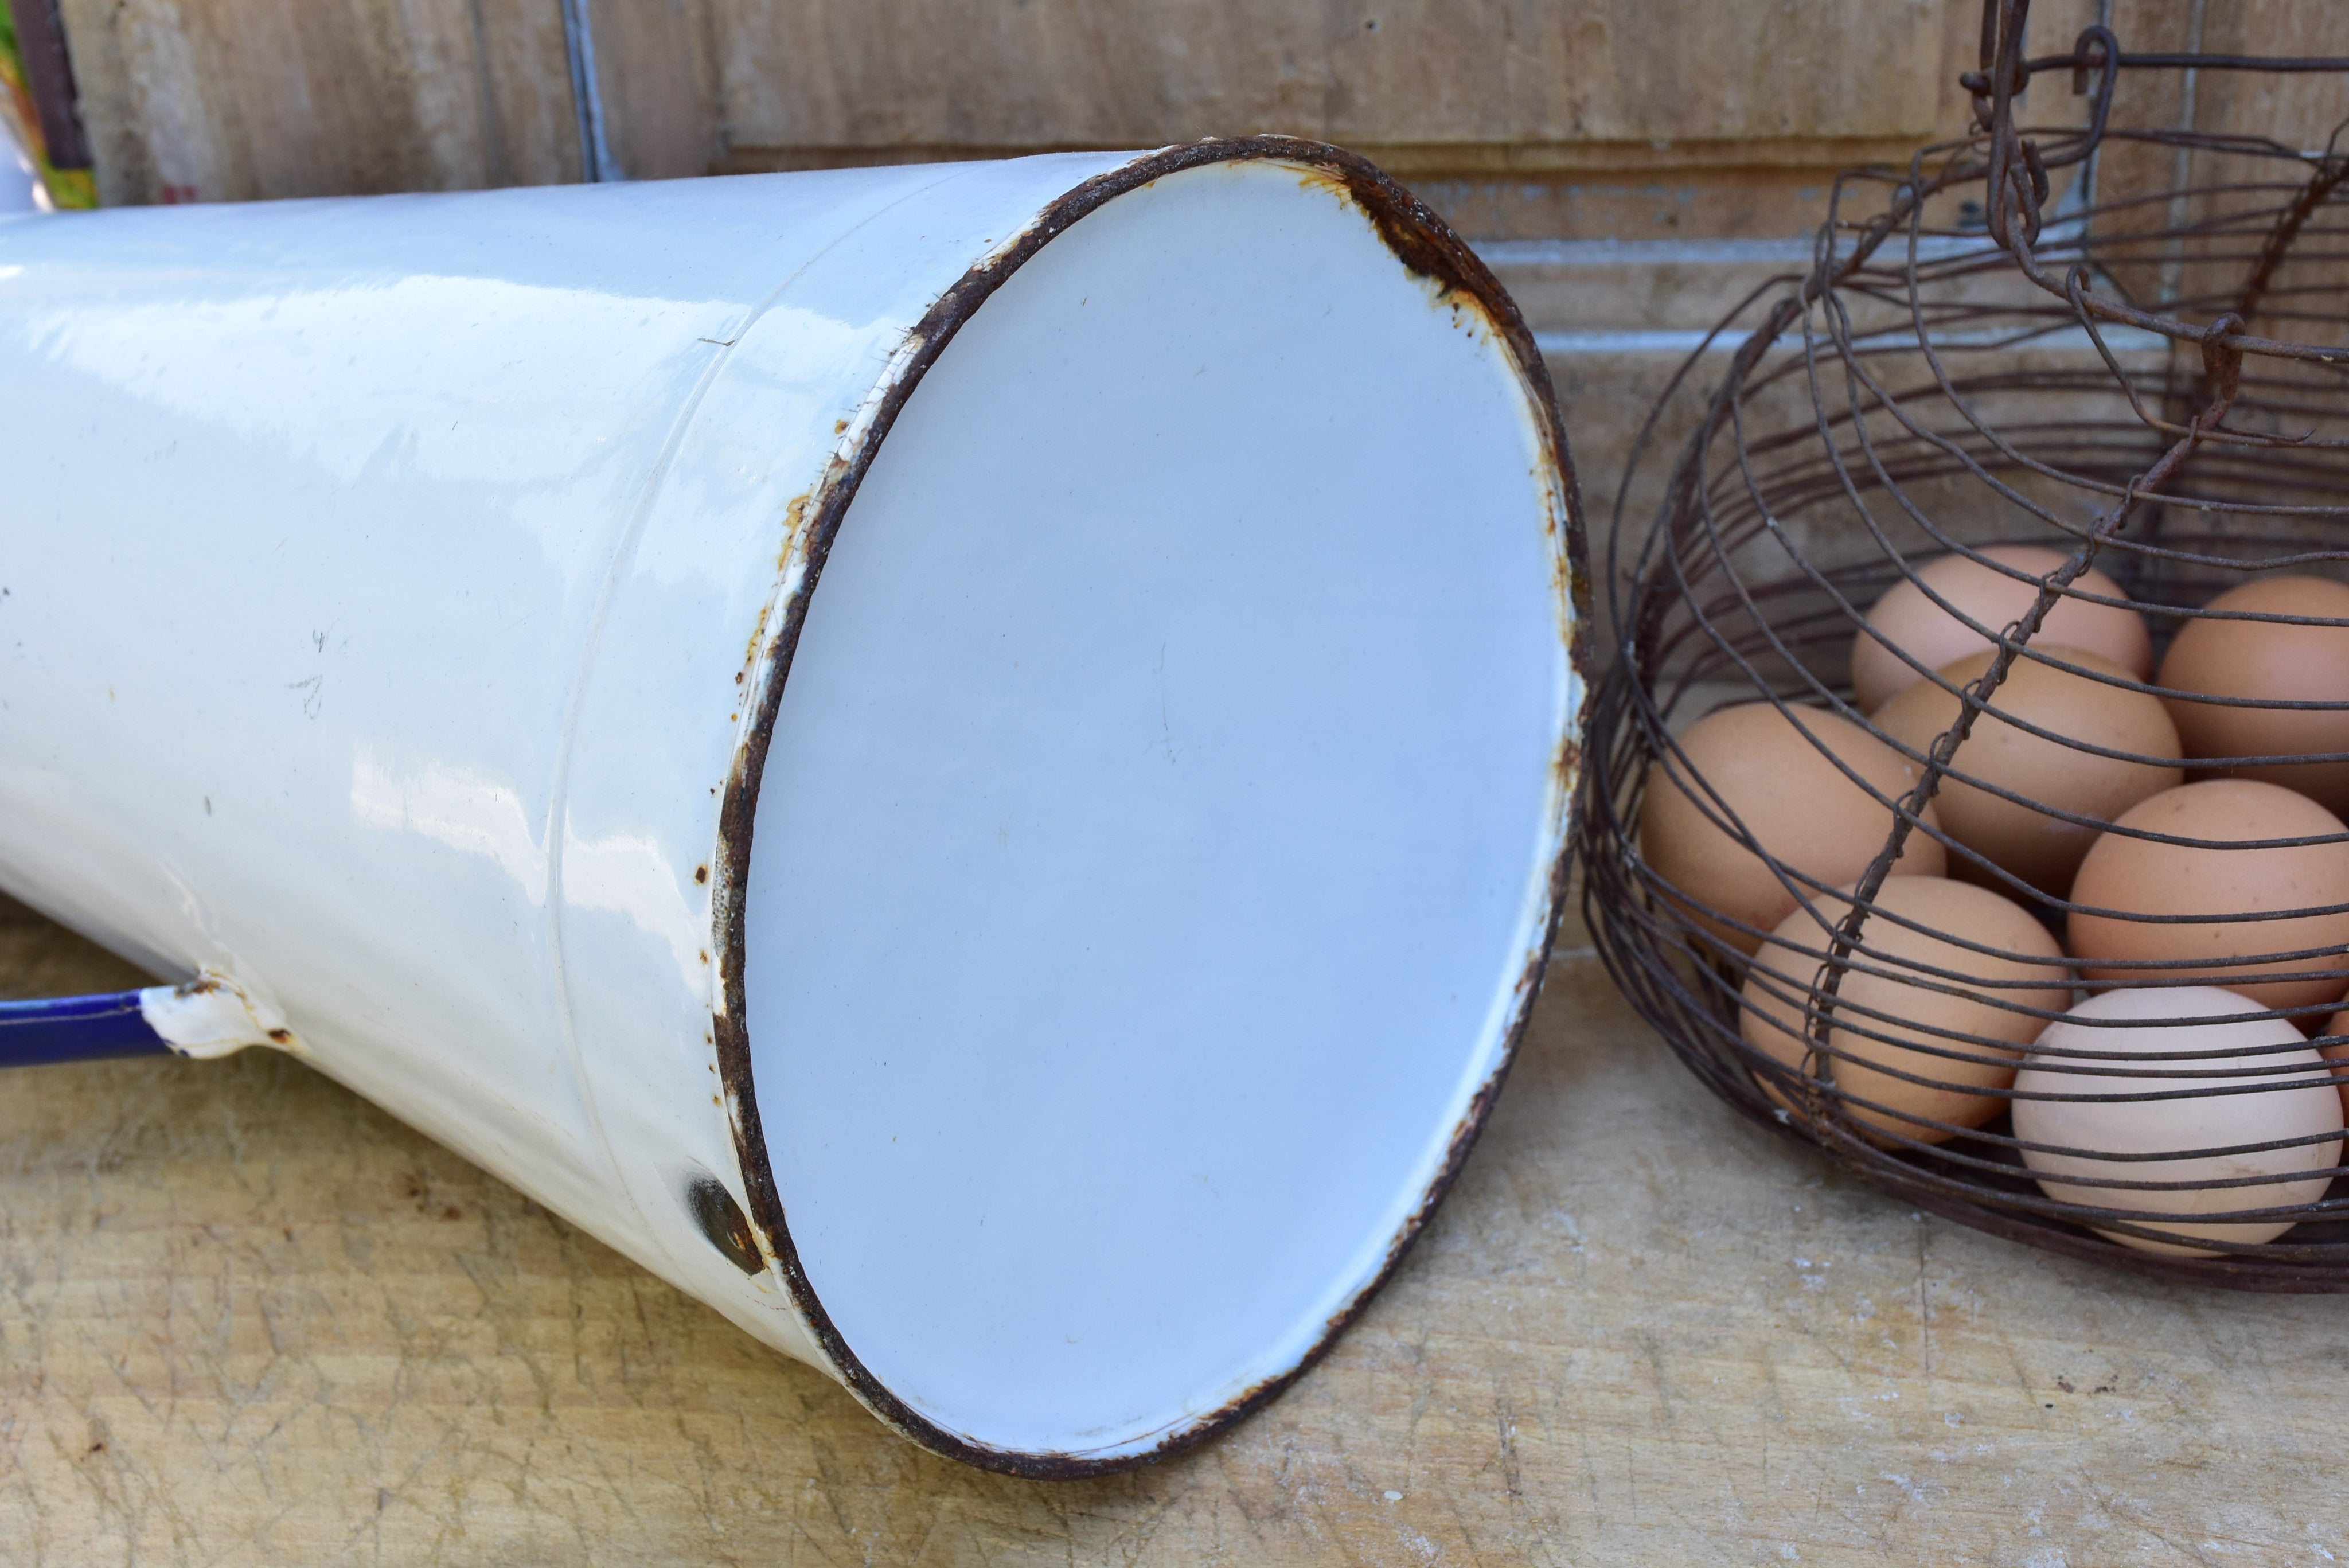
{"points": [[2124, 341]]}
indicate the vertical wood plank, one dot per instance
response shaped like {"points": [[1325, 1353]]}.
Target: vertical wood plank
{"points": [[656, 68], [241, 100], [803, 73]]}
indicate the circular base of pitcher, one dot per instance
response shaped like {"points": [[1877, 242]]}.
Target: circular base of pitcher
{"points": [[1458, 289]]}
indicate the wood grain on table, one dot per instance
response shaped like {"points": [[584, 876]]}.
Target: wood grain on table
{"points": [[247, 1318]]}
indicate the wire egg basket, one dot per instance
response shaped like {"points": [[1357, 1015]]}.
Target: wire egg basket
{"points": [[2118, 334]]}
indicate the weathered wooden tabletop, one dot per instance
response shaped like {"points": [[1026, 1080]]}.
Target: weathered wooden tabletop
{"points": [[246, 1318]]}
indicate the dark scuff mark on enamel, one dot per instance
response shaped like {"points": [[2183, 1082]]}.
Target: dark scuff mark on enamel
{"points": [[1428, 247], [723, 1224]]}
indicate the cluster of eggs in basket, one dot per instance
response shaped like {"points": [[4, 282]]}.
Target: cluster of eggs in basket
{"points": [[1958, 1007]]}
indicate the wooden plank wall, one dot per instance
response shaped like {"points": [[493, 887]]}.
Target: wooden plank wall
{"points": [[187, 100], [1532, 117], [1553, 119]]}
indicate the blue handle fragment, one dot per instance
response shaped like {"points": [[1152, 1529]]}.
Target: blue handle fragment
{"points": [[76, 1029]]}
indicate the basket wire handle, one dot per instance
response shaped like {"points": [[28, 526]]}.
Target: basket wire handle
{"points": [[2222, 363]]}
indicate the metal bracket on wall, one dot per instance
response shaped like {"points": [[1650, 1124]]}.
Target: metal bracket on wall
{"points": [[595, 160]]}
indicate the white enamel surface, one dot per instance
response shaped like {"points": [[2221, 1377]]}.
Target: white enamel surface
{"points": [[1157, 818], [704, 573], [386, 579], [331, 523], [212, 1017]]}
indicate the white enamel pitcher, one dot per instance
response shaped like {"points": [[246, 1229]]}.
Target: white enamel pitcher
{"points": [[969, 764]]}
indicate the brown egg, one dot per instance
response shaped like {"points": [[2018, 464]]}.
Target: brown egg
{"points": [[2042, 850], [1899, 1004], [2221, 883], [1931, 635], [1774, 777], [2273, 662]]}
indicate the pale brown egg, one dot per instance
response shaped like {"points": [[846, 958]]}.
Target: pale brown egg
{"points": [[2220, 884], [2269, 662], [1770, 770], [1890, 1019], [2042, 850], [2304, 1104], [1909, 620]]}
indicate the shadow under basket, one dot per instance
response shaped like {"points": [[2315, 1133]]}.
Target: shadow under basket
{"points": [[2127, 347]]}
